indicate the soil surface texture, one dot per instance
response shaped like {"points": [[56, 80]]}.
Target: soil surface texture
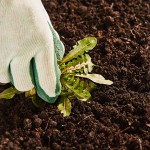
{"points": [[118, 116]]}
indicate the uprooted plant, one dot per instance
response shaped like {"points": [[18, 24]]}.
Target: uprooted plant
{"points": [[76, 78]]}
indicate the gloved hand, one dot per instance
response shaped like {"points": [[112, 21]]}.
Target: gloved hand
{"points": [[29, 48]]}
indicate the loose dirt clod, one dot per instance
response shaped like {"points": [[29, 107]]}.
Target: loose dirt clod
{"points": [[37, 122]]}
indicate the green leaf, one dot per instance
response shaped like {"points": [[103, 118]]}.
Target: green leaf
{"points": [[3, 83], [82, 95], [79, 93], [80, 48], [89, 63], [91, 86], [17, 92], [64, 106], [87, 84], [9, 93], [30, 93], [72, 79], [39, 103], [81, 64], [82, 84], [97, 78], [76, 83]]}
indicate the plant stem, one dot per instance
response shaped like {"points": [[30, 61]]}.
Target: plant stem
{"points": [[74, 68]]}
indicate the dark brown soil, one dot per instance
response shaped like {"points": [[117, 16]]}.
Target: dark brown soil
{"points": [[118, 117]]}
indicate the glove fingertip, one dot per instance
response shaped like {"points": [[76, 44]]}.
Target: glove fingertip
{"points": [[46, 96]]}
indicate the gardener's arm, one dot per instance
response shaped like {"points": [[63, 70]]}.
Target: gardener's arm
{"points": [[29, 48]]}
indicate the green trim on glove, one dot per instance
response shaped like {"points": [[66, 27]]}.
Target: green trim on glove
{"points": [[41, 92], [59, 47], [59, 53]]}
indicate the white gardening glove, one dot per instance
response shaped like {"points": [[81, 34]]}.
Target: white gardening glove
{"points": [[29, 48]]}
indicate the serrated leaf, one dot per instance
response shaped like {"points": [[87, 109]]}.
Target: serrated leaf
{"points": [[64, 106], [9, 93], [97, 78], [37, 102], [82, 46], [80, 65]]}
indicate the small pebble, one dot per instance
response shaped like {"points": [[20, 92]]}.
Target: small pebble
{"points": [[91, 134], [56, 146], [52, 123], [27, 123], [53, 5], [134, 144], [148, 76], [7, 134], [109, 20], [90, 147], [11, 145], [43, 115], [36, 134], [21, 138], [35, 116], [82, 10], [6, 141], [129, 108], [37, 122], [27, 132]]}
